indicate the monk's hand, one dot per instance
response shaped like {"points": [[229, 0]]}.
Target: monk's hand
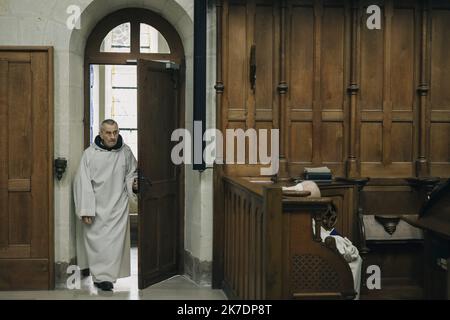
{"points": [[87, 220], [135, 185]]}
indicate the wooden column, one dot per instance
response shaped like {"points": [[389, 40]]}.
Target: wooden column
{"points": [[317, 99], [250, 121], [282, 91], [4, 147], [422, 167], [218, 224], [135, 37], [387, 84], [352, 168], [200, 13], [272, 244]]}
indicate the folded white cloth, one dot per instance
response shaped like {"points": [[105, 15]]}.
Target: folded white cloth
{"points": [[297, 187], [356, 267], [346, 248], [305, 186]]}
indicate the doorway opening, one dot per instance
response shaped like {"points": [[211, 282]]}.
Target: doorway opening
{"points": [[130, 77], [113, 95]]}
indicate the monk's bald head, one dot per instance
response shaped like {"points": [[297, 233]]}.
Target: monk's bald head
{"points": [[109, 132]]}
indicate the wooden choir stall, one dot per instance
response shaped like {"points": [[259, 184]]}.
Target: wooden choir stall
{"points": [[372, 105], [270, 249]]}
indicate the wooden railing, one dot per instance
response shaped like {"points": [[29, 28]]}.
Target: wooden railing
{"points": [[244, 240], [270, 250]]}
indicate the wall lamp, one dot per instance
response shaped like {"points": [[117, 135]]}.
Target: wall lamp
{"points": [[60, 167]]}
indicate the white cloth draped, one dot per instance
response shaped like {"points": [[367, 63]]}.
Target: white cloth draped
{"points": [[307, 185], [344, 245], [102, 188]]}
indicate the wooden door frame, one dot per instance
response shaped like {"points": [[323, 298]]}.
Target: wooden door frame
{"points": [[50, 96], [94, 56]]}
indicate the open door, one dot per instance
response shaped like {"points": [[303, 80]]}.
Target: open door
{"points": [[159, 218]]}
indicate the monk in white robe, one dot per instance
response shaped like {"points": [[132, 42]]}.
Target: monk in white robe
{"points": [[103, 185], [344, 245], [350, 254]]}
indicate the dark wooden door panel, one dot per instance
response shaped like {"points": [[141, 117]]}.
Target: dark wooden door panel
{"points": [[26, 152], [4, 214], [158, 203], [24, 274]]}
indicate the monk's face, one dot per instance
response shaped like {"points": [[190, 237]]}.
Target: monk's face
{"points": [[109, 134]]}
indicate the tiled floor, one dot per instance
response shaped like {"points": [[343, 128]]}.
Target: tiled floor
{"points": [[175, 288]]}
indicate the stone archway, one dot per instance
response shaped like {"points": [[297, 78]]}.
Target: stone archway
{"points": [[178, 13], [171, 10]]}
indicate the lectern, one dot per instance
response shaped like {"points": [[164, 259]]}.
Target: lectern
{"points": [[434, 219]]}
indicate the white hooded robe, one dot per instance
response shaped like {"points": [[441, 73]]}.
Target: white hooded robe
{"points": [[350, 254], [344, 245], [102, 189]]}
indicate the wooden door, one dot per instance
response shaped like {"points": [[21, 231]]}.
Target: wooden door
{"points": [[26, 185], [159, 178]]}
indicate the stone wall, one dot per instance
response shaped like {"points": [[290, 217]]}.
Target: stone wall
{"points": [[44, 23]]}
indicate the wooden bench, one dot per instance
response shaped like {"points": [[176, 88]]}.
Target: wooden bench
{"points": [[270, 250]]}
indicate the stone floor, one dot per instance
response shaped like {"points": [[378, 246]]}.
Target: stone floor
{"points": [[176, 288]]}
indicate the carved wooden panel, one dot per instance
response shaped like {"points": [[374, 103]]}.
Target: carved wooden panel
{"points": [[365, 103], [243, 241], [439, 148], [387, 100], [237, 55], [340, 93], [246, 24], [26, 175], [318, 69], [310, 272]]}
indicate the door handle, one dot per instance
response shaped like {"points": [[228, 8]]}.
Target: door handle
{"points": [[145, 180]]}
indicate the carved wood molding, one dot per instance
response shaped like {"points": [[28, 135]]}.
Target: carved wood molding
{"points": [[389, 223]]}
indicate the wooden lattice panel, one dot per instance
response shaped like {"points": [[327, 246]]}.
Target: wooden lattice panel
{"points": [[312, 273]]}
